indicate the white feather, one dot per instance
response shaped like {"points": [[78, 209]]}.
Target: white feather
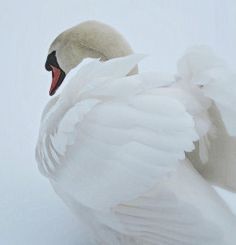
{"points": [[114, 149]]}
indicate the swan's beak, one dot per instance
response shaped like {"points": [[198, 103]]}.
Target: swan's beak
{"points": [[58, 76]]}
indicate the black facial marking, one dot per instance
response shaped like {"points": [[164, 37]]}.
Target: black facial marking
{"points": [[52, 65], [51, 60]]}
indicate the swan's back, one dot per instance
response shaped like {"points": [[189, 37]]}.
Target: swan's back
{"points": [[114, 149]]}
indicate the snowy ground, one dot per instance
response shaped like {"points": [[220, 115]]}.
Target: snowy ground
{"points": [[30, 212]]}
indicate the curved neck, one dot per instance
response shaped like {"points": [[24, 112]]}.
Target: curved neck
{"points": [[91, 39]]}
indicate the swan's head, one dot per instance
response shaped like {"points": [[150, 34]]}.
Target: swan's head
{"points": [[89, 39]]}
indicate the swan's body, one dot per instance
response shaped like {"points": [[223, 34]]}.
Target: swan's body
{"points": [[113, 146]]}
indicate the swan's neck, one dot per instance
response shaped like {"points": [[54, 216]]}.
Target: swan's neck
{"points": [[91, 39]]}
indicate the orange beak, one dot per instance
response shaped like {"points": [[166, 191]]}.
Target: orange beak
{"points": [[57, 78]]}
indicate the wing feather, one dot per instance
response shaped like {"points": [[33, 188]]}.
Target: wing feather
{"points": [[218, 83], [117, 154], [112, 135]]}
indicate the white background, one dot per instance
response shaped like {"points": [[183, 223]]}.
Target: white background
{"points": [[30, 212]]}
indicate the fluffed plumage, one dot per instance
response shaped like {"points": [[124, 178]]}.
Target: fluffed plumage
{"points": [[114, 148]]}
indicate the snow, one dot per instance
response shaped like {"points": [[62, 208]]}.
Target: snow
{"points": [[30, 211]]}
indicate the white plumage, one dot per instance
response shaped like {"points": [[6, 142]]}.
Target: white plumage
{"points": [[113, 147]]}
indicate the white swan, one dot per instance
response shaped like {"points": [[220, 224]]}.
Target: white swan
{"points": [[113, 146]]}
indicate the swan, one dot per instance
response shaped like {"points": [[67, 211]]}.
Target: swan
{"points": [[134, 155]]}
